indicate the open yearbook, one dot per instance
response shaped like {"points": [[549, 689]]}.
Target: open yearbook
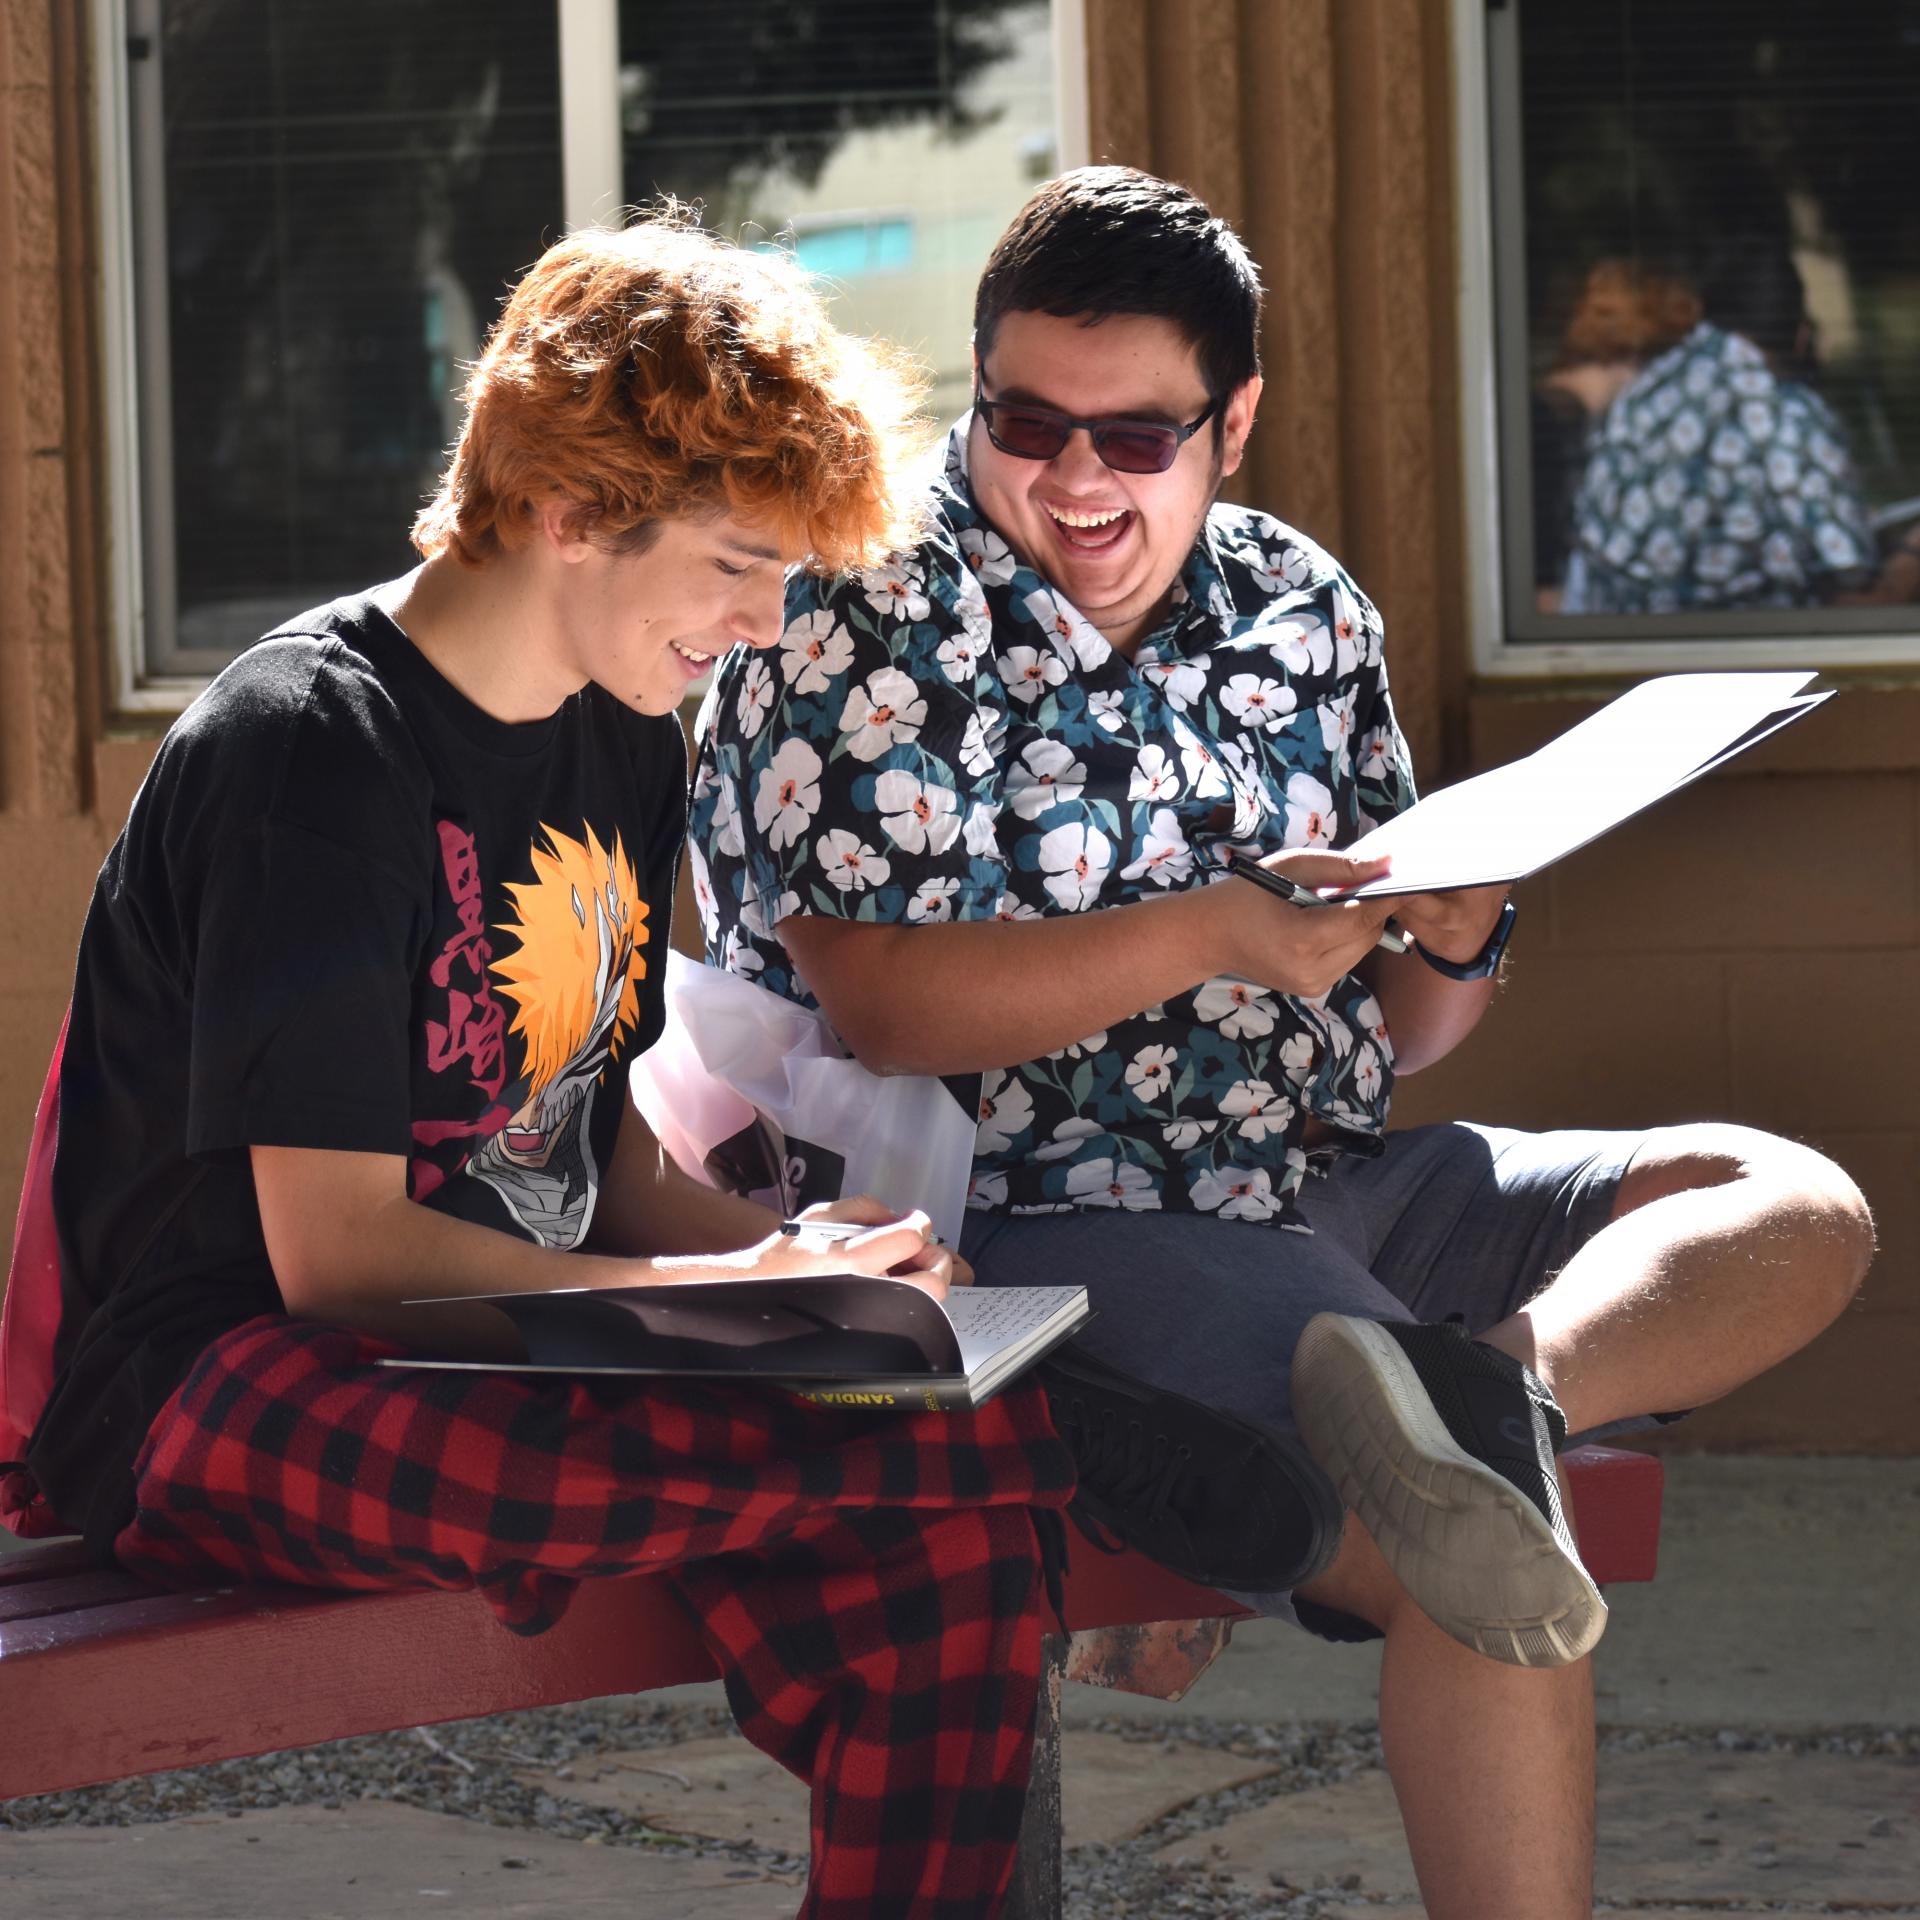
{"points": [[848, 1340], [1652, 741]]}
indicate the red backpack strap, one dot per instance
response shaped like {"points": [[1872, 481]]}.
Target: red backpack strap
{"points": [[30, 1315]]}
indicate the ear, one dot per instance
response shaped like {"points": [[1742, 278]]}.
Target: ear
{"points": [[559, 522], [1237, 422]]}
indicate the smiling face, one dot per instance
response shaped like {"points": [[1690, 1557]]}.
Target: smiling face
{"points": [[646, 625], [1113, 543]]}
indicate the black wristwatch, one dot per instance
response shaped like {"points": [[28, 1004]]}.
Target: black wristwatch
{"points": [[1485, 961]]}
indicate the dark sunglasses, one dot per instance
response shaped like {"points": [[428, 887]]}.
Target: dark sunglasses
{"points": [[1127, 446]]}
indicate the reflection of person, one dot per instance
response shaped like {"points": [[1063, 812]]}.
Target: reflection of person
{"points": [[978, 806], [354, 1003], [1625, 314], [1718, 478]]}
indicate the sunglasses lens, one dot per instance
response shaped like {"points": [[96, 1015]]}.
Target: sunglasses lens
{"points": [[1027, 432], [1137, 449]]}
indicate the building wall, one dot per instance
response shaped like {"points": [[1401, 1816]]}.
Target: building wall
{"points": [[1747, 953]]}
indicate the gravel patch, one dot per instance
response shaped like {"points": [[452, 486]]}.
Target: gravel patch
{"points": [[470, 1769]]}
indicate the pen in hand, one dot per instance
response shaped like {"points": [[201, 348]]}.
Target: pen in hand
{"points": [[1246, 868], [842, 1229]]}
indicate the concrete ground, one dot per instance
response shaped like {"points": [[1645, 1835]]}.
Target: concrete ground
{"points": [[1761, 1752]]}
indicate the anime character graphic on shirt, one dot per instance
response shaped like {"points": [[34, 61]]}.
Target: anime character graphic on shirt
{"points": [[581, 926]]}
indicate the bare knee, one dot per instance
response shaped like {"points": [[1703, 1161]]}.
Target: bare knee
{"points": [[1807, 1205]]}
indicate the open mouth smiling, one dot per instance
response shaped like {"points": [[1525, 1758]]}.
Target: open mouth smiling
{"points": [[1089, 530]]}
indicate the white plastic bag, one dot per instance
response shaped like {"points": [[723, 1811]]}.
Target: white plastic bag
{"points": [[748, 1091]]}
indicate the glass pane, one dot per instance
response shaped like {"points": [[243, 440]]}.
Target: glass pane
{"points": [[1720, 369], [887, 144], [335, 196]]}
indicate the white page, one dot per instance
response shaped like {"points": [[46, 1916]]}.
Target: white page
{"points": [[1511, 822], [990, 1318]]}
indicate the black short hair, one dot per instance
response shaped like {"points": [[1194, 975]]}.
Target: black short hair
{"points": [[1108, 240]]}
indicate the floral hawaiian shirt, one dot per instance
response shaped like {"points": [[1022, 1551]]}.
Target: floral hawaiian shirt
{"points": [[1714, 483], [946, 738]]}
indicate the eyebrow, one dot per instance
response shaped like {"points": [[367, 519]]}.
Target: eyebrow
{"points": [[752, 552], [1147, 415]]}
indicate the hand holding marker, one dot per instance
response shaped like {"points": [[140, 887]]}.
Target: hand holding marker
{"points": [[1247, 868]]}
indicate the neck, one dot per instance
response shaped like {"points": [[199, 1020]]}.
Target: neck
{"points": [[490, 631]]}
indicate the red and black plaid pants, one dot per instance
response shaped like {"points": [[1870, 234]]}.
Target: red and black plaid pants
{"points": [[868, 1584]]}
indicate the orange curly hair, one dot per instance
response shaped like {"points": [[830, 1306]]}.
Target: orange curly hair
{"points": [[1627, 311], [658, 371]]}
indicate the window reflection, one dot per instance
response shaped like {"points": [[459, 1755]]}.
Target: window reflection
{"points": [[1721, 375]]}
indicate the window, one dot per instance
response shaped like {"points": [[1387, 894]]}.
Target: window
{"points": [[1692, 330], [311, 209]]}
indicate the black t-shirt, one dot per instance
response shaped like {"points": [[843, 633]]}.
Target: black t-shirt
{"points": [[349, 910]]}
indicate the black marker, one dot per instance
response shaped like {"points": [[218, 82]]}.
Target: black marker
{"points": [[1245, 867]]}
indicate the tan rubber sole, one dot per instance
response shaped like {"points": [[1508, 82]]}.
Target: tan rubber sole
{"points": [[1475, 1555]]}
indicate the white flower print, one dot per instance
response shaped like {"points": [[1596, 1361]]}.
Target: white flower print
{"points": [[982, 832], [737, 957], [1280, 571], [1350, 633], [727, 837], [1165, 858], [1150, 1073], [1336, 727], [1153, 777], [1030, 671], [1009, 907], [1240, 1011], [1087, 1046], [897, 588], [932, 902], [1366, 1074], [987, 1190], [976, 752], [814, 651], [1206, 778], [758, 921], [703, 899], [885, 712], [988, 555], [1045, 774], [1102, 1183], [1257, 1108], [1108, 705], [1237, 1194], [918, 815], [1302, 646], [1184, 1135], [756, 698], [787, 794], [1374, 759], [1076, 859], [1296, 1057], [958, 657], [1069, 1135], [1310, 817], [1068, 628], [1372, 1021], [1181, 681], [1006, 1111], [850, 863], [1256, 701]]}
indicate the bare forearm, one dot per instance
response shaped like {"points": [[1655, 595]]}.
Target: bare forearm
{"points": [[968, 996], [1427, 1014]]}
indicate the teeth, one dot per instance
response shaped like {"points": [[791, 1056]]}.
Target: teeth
{"points": [[687, 653], [1106, 519]]}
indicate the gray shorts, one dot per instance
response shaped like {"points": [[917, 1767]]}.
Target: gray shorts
{"points": [[1449, 1219]]}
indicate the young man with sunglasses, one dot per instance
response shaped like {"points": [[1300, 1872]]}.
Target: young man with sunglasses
{"points": [[980, 810]]}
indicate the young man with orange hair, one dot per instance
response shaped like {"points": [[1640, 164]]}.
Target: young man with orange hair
{"points": [[353, 1004]]}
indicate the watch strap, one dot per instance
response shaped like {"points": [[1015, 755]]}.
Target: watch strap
{"points": [[1485, 961]]}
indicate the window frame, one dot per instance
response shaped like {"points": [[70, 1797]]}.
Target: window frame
{"points": [[1485, 199], [592, 190]]}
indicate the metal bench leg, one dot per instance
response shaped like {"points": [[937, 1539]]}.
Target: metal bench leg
{"points": [[1035, 1893]]}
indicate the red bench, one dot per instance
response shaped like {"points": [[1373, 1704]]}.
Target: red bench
{"points": [[101, 1677]]}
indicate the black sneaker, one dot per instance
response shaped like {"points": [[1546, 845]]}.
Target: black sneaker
{"points": [[1444, 1450], [1213, 1498]]}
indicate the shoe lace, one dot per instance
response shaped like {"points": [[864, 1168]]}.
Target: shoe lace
{"points": [[1126, 1467]]}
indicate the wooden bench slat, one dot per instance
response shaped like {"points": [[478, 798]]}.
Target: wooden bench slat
{"points": [[92, 1692]]}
